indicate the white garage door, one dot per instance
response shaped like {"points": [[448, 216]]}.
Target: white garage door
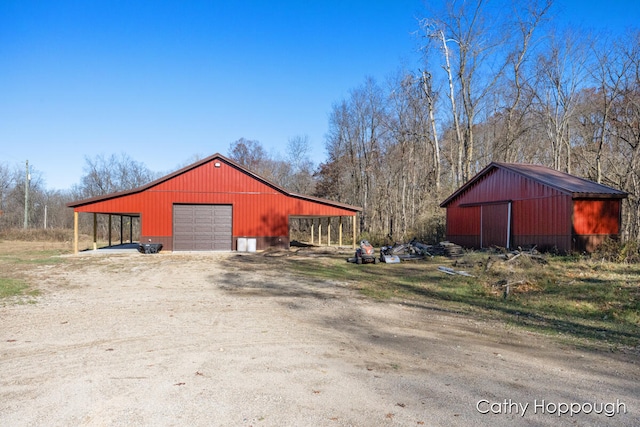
{"points": [[202, 228]]}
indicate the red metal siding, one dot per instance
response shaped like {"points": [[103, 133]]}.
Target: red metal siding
{"points": [[463, 220], [259, 210], [594, 220], [463, 225], [545, 222], [596, 216], [495, 225], [540, 215]]}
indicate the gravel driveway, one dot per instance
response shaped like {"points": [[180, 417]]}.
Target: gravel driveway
{"points": [[203, 340]]}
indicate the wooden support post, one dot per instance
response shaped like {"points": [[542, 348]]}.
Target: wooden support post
{"points": [[340, 232], [313, 225], [95, 231], [75, 232], [319, 231], [329, 231], [109, 229], [354, 230], [130, 229], [121, 232]]}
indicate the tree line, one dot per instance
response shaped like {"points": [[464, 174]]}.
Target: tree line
{"points": [[497, 82], [47, 208], [44, 207]]}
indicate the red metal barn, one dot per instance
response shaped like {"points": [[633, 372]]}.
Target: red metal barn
{"points": [[210, 204], [511, 205]]}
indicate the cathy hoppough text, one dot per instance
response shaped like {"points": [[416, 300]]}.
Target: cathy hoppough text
{"points": [[510, 407]]}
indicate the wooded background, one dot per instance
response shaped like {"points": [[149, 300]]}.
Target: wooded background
{"points": [[499, 83]]}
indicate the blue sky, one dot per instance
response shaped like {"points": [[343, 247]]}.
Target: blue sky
{"points": [[164, 81]]}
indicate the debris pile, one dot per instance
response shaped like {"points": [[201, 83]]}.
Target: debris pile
{"points": [[417, 250], [404, 251], [515, 270], [517, 256], [448, 249]]}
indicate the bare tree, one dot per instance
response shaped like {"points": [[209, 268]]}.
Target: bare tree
{"points": [[562, 71], [470, 47], [609, 73], [620, 154], [302, 168], [515, 93], [6, 183], [430, 96], [252, 155], [13, 197], [104, 175], [455, 114], [249, 153], [411, 151]]}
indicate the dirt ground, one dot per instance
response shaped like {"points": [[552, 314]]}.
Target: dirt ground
{"points": [[203, 340]]}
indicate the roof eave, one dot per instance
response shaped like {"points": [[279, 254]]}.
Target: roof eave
{"points": [[621, 195], [83, 202], [326, 202]]}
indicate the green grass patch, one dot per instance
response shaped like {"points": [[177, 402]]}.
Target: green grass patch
{"points": [[12, 287], [16, 261]]}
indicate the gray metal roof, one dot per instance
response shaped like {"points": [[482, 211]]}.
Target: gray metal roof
{"points": [[577, 186], [570, 184]]}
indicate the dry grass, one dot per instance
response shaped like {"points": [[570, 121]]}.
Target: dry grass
{"points": [[591, 302], [37, 235]]}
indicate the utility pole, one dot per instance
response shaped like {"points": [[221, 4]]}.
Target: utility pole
{"points": [[26, 198]]}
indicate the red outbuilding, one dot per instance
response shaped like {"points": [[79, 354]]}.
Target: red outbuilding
{"points": [[210, 205], [511, 205]]}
